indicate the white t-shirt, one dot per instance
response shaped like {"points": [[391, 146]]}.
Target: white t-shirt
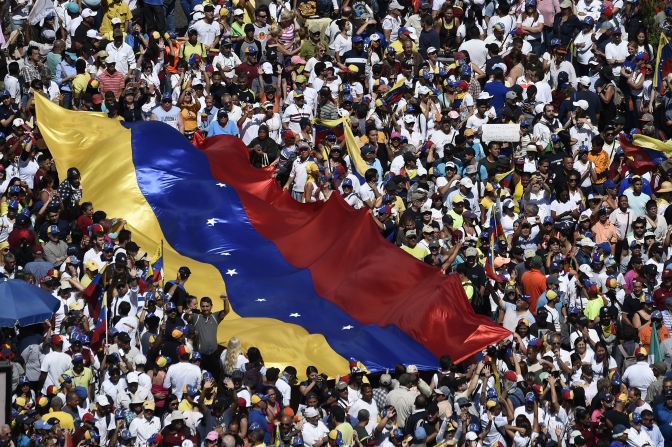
{"points": [[393, 24], [207, 32], [616, 52], [313, 433], [584, 53], [54, 364]]}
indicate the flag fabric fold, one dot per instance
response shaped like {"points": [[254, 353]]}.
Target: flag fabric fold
{"points": [[341, 128], [303, 290], [663, 62]]}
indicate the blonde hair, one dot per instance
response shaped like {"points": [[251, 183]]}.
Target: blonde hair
{"points": [[286, 16], [233, 350], [275, 30]]}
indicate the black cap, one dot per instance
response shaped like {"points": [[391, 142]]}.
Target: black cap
{"points": [[184, 271], [121, 259]]}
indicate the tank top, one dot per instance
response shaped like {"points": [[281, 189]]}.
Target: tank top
{"points": [[169, 117]]}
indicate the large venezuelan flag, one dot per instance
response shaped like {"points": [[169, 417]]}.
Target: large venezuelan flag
{"points": [[311, 284]]}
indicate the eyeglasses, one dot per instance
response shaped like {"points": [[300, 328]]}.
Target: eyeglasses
{"points": [[411, 237]]}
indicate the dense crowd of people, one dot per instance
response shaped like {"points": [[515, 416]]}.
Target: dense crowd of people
{"points": [[555, 233]]}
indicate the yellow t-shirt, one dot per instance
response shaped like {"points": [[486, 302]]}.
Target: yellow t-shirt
{"points": [[66, 421], [118, 10], [185, 405], [84, 379], [346, 432], [418, 252], [80, 83], [593, 307]]}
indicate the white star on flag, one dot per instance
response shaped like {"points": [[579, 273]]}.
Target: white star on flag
{"points": [[231, 272], [211, 222], [221, 185], [295, 315], [347, 328], [261, 300]]}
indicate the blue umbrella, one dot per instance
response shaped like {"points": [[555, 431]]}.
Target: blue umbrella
{"points": [[24, 304]]}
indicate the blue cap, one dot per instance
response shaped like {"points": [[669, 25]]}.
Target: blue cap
{"points": [[81, 392], [529, 397], [195, 356], [668, 11], [525, 123], [13, 204], [347, 182], [648, 300], [119, 413], [72, 7], [606, 246], [610, 184], [525, 298], [167, 95], [492, 393], [367, 149], [170, 306], [474, 427], [548, 220], [616, 380], [588, 21], [192, 391], [556, 42], [636, 418], [15, 189], [597, 258], [4, 93], [574, 310], [357, 39], [658, 315]]}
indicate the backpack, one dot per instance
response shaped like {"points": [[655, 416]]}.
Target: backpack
{"points": [[628, 360], [252, 376]]}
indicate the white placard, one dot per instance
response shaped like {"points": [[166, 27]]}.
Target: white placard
{"points": [[501, 132]]}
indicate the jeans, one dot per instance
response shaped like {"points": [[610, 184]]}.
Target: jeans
{"points": [[188, 6], [67, 99], [169, 13]]}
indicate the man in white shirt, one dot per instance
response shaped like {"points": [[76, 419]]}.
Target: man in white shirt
{"points": [[54, 364], [392, 21], [208, 29], [639, 375], [226, 61], [182, 373], [616, 51], [314, 431], [283, 384], [142, 428], [121, 52], [366, 403]]}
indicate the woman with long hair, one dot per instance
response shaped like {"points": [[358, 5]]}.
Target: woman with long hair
{"points": [[189, 107], [232, 357], [606, 91], [603, 364]]}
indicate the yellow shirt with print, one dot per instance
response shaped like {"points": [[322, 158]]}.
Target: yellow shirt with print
{"points": [[347, 432], [115, 10]]}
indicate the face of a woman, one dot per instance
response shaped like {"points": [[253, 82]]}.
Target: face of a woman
{"points": [[581, 347]]}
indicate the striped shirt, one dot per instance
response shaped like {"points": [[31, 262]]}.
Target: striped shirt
{"points": [[112, 82]]}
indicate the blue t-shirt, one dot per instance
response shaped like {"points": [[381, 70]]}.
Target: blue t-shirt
{"points": [[498, 91], [229, 129], [258, 417]]}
